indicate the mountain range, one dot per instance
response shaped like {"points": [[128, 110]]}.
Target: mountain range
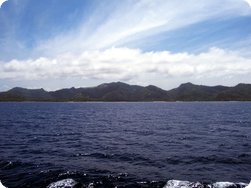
{"points": [[119, 91]]}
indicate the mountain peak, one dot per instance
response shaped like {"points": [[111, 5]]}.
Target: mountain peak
{"points": [[14, 89], [242, 85], [188, 84], [112, 84]]}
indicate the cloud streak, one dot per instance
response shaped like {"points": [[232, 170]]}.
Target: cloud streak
{"points": [[134, 20]]}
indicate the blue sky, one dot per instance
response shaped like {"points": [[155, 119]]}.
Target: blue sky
{"points": [[61, 43]]}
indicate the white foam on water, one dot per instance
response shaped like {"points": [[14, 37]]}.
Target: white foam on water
{"points": [[91, 185], [249, 185], [182, 184], [1, 185], [187, 184], [69, 183], [224, 184]]}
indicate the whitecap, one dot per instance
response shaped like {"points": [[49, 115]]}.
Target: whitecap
{"points": [[69, 183], [224, 184], [91, 185], [182, 184], [1, 185], [229, 184], [187, 184], [249, 185]]}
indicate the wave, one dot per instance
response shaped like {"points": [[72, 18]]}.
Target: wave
{"points": [[242, 158], [70, 183], [115, 157], [35, 175], [187, 184], [1, 185]]}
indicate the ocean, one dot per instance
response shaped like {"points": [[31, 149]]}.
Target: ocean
{"points": [[100, 144]]}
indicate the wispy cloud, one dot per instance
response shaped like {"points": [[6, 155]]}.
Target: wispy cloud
{"points": [[137, 19]]}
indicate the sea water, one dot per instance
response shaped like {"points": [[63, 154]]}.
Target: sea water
{"points": [[201, 144]]}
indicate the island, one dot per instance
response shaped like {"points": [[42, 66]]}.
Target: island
{"points": [[119, 91]]}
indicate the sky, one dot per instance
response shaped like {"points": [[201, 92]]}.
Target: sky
{"points": [[56, 44]]}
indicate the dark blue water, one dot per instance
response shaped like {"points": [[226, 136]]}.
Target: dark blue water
{"points": [[124, 144]]}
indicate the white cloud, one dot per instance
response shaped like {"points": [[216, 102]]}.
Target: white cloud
{"points": [[131, 65], [1, 2], [249, 2]]}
